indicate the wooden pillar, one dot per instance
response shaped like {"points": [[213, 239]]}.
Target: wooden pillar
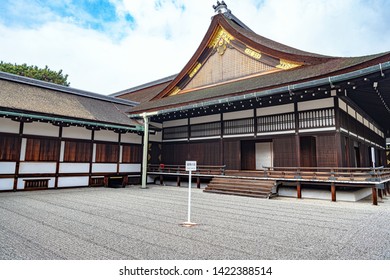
{"points": [[91, 159], [198, 182], [161, 179], [125, 181], [380, 194], [178, 181], [374, 196], [17, 166], [333, 191], [58, 157], [299, 190]]}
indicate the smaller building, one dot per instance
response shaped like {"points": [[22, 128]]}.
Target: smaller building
{"points": [[54, 136]]}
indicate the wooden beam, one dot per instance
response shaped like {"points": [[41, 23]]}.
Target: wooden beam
{"points": [[380, 194], [178, 181], [333, 191], [374, 196], [299, 190], [198, 182]]}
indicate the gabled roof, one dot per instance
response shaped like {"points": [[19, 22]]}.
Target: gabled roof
{"points": [[281, 79], [259, 54], [274, 65], [21, 94]]}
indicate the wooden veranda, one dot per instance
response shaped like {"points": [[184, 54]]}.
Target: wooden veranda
{"points": [[375, 178]]}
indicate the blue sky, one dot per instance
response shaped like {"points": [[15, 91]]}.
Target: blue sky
{"points": [[109, 45]]}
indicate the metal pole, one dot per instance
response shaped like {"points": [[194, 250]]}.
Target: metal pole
{"points": [[145, 151], [189, 198]]}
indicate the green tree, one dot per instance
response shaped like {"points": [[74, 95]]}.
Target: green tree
{"points": [[43, 74]]}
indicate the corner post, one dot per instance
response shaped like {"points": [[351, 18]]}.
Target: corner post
{"points": [[145, 150]]}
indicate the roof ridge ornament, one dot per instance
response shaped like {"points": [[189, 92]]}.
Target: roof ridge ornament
{"points": [[221, 8]]}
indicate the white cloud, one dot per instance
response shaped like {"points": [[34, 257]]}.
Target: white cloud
{"points": [[165, 35]]}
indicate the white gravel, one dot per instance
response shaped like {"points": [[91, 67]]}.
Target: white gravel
{"points": [[131, 223]]}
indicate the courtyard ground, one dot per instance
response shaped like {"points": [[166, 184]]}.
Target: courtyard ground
{"points": [[133, 223]]}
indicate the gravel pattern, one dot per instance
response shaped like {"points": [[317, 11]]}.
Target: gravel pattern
{"points": [[132, 223]]}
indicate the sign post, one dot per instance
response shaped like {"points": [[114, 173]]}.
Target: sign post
{"points": [[190, 166]]}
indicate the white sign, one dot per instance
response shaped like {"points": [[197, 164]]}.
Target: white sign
{"points": [[190, 165]]}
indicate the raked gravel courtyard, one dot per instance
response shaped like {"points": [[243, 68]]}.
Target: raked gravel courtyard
{"points": [[132, 223]]}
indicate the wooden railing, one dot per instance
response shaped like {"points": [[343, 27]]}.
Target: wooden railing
{"points": [[323, 174], [181, 169], [345, 174]]}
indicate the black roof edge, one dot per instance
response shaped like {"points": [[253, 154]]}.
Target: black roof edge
{"points": [[65, 89], [232, 17], [149, 84]]}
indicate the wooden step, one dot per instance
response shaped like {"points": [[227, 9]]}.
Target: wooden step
{"points": [[238, 187], [238, 193], [243, 182], [241, 186]]}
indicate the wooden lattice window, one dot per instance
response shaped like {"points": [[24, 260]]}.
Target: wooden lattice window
{"points": [[107, 153], [9, 148], [175, 132], [39, 149], [239, 126], [36, 184], [317, 118], [279, 122], [77, 151], [206, 129]]}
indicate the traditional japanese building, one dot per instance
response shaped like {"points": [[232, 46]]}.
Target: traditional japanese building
{"points": [[251, 112], [249, 103], [54, 136]]}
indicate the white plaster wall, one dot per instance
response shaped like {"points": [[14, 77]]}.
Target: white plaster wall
{"points": [[351, 112], [130, 167], [94, 153], [316, 104], [175, 123], [71, 167], [62, 150], [9, 126], [106, 135], [103, 167], [326, 195], [156, 137], [76, 132], [21, 182], [273, 110], [43, 129], [6, 184], [23, 149], [343, 105], [7, 167], [131, 138], [73, 182], [238, 115], [159, 125], [37, 167], [205, 119]]}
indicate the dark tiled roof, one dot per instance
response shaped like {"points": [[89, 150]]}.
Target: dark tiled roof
{"points": [[136, 89], [37, 97], [268, 43], [289, 77], [69, 90]]}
